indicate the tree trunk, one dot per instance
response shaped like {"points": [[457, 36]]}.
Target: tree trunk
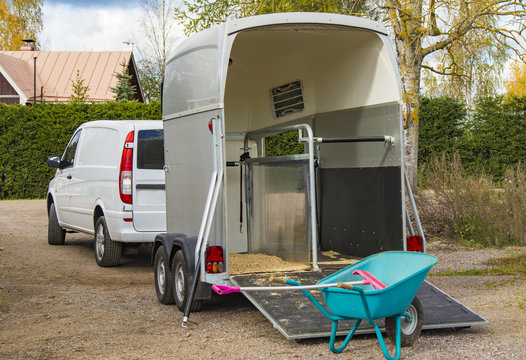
{"points": [[408, 41], [411, 106]]}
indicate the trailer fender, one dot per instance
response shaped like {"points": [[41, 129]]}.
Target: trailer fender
{"points": [[174, 242]]}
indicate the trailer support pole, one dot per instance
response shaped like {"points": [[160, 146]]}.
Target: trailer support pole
{"points": [[415, 211]]}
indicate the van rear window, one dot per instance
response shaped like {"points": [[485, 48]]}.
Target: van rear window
{"points": [[150, 152]]}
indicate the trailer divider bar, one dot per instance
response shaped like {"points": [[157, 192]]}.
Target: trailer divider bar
{"points": [[387, 139]]}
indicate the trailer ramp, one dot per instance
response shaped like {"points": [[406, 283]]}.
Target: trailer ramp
{"points": [[297, 318]]}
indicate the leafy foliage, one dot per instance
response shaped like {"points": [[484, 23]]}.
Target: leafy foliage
{"points": [[283, 144], [441, 122], [197, 15], [151, 75], [19, 19], [496, 136], [79, 93], [490, 139], [124, 90], [516, 85], [28, 135]]}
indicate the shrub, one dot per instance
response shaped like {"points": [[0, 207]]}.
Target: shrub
{"points": [[440, 128], [470, 208], [495, 137]]}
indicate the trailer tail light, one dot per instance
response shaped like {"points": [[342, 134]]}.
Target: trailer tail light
{"points": [[214, 260], [125, 174], [415, 243]]}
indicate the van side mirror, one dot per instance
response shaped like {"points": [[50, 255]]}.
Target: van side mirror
{"points": [[54, 162]]}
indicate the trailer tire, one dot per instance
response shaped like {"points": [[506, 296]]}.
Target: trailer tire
{"points": [[409, 331], [163, 277], [182, 284], [107, 252], [55, 234]]}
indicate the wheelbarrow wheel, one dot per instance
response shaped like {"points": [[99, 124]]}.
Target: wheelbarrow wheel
{"points": [[409, 330]]}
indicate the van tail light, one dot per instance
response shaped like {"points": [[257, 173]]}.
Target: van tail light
{"points": [[214, 260], [415, 243], [125, 174]]}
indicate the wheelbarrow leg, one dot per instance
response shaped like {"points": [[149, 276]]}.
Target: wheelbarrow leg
{"points": [[382, 343], [347, 338]]}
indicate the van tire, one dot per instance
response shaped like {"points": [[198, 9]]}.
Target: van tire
{"points": [[107, 251], [409, 331], [163, 277], [182, 284], [55, 234]]}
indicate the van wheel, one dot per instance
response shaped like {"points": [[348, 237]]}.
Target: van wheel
{"points": [[409, 330], [182, 283], [55, 234], [163, 277], [107, 251]]}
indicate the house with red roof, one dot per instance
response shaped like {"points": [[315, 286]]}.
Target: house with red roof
{"points": [[29, 76]]}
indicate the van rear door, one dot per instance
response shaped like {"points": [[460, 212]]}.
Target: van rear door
{"points": [[149, 202]]}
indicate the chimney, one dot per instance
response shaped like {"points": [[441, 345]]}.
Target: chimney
{"points": [[29, 45]]}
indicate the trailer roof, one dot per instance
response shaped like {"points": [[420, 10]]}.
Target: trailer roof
{"points": [[215, 35], [302, 18], [196, 75]]}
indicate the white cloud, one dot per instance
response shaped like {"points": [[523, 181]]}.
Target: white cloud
{"points": [[74, 28]]}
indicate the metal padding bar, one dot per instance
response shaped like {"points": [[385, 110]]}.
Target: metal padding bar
{"points": [[387, 139]]}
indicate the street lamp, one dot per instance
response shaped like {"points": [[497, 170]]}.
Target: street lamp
{"points": [[129, 43]]}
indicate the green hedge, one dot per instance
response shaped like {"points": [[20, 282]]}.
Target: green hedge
{"points": [[28, 135], [495, 138], [441, 122], [490, 139]]}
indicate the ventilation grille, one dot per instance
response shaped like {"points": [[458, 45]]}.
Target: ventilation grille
{"points": [[287, 99]]}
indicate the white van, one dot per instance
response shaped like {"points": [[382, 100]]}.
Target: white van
{"points": [[109, 182]]}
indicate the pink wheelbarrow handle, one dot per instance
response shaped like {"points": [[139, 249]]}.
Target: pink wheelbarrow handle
{"points": [[223, 289]]}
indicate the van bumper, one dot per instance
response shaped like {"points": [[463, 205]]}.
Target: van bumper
{"points": [[123, 231]]}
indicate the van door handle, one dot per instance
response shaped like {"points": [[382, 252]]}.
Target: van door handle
{"points": [[69, 177]]}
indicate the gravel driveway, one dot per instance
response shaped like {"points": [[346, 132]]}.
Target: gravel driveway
{"points": [[56, 303]]}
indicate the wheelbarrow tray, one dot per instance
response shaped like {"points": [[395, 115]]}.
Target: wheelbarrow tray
{"points": [[401, 271]]}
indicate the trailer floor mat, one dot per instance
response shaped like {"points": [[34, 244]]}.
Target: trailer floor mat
{"points": [[297, 318]]}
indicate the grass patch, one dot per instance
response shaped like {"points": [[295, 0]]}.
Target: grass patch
{"points": [[513, 265]]}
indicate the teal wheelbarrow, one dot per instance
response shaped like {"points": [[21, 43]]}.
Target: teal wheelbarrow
{"points": [[402, 274], [380, 286]]}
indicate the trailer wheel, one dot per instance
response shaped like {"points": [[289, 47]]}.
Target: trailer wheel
{"points": [[107, 251], [409, 330], [182, 284], [55, 234], [163, 277]]}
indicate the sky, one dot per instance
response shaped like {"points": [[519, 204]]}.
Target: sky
{"points": [[99, 25]]}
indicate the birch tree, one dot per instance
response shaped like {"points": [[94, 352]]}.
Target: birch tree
{"points": [[423, 28], [516, 84], [160, 28], [19, 19]]}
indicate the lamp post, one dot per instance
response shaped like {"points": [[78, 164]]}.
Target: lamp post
{"points": [[34, 80], [129, 43], [30, 45]]}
